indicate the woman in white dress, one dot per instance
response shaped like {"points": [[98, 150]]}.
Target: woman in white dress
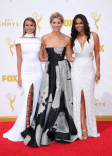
{"points": [[29, 77], [83, 76]]}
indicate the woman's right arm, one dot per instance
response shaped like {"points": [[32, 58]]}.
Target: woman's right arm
{"points": [[69, 51], [19, 62], [43, 54]]}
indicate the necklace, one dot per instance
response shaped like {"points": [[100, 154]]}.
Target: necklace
{"points": [[29, 35]]}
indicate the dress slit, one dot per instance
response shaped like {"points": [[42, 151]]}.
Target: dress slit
{"points": [[82, 92], [31, 74], [29, 105]]}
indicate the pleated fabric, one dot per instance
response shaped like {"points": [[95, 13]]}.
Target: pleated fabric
{"points": [[53, 120]]}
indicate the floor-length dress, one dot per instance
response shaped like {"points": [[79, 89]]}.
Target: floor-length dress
{"points": [[83, 79], [53, 120], [31, 73]]}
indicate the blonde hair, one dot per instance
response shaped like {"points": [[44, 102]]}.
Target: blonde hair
{"points": [[56, 15], [33, 21]]}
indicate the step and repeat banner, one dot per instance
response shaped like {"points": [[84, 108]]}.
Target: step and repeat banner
{"points": [[12, 15]]}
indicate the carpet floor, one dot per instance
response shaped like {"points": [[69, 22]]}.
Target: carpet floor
{"points": [[101, 146]]}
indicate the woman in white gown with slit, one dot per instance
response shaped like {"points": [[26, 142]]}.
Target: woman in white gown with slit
{"points": [[83, 76], [29, 77]]}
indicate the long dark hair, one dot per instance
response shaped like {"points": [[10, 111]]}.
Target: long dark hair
{"points": [[74, 32]]}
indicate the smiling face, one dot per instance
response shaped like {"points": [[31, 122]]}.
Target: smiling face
{"points": [[79, 25], [29, 27], [56, 24]]}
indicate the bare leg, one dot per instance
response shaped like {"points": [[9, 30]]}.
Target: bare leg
{"points": [[29, 106], [83, 115]]}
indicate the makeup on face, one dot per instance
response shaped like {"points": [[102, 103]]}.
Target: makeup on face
{"points": [[29, 27], [79, 25], [56, 24]]}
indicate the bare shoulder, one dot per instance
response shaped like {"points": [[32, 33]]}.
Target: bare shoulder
{"points": [[95, 35], [67, 39], [45, 37]]}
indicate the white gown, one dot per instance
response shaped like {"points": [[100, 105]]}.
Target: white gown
{"points": [[83, 78], [31, 73]]}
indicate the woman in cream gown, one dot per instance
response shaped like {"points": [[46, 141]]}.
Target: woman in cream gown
{"points": [[83, 76], [29, 77]]}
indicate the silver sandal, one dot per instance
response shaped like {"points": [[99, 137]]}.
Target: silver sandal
{"points": [[84, 138]]}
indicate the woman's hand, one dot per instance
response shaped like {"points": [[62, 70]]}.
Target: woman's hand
{"points": [[20, 81], [97, 76], [92, 57]]}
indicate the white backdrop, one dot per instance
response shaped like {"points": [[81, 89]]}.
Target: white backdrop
{"points": [[12, 15]]}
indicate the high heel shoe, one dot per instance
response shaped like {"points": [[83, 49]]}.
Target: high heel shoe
{"points": [[84, 138]]}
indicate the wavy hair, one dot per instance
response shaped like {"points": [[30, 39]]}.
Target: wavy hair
{"points": [[33, 21], [57, 15], [74, 32]]}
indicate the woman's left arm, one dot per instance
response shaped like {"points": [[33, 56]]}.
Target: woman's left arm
{"points": [[97, 55]]}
